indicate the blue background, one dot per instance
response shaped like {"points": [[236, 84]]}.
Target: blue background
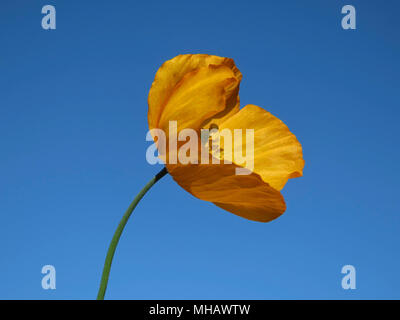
{"points": [[73, 120]]}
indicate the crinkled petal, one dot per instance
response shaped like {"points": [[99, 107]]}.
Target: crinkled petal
{"points": [[172, 72], [277, 153], [199, 95], [247, 196]]}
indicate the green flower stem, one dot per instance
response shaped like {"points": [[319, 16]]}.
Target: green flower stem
{"points": [[118, 232]]}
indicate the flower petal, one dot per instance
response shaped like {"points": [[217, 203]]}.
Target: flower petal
{"points": [[278, 154], [247, 196], [172, 72], [200, 94]]}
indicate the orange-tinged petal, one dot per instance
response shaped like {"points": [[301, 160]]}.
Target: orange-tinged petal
{"points": [[199, 95], [247, 196], [278, 154], [172, 72]]}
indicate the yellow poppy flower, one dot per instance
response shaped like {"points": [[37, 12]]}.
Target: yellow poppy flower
{"points": [[201, 92]]}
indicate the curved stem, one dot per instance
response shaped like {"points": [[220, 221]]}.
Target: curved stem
{"points": [[118, 232]]}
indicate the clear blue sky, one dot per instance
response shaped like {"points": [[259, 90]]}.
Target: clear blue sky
{"points": [[73, 120]]}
